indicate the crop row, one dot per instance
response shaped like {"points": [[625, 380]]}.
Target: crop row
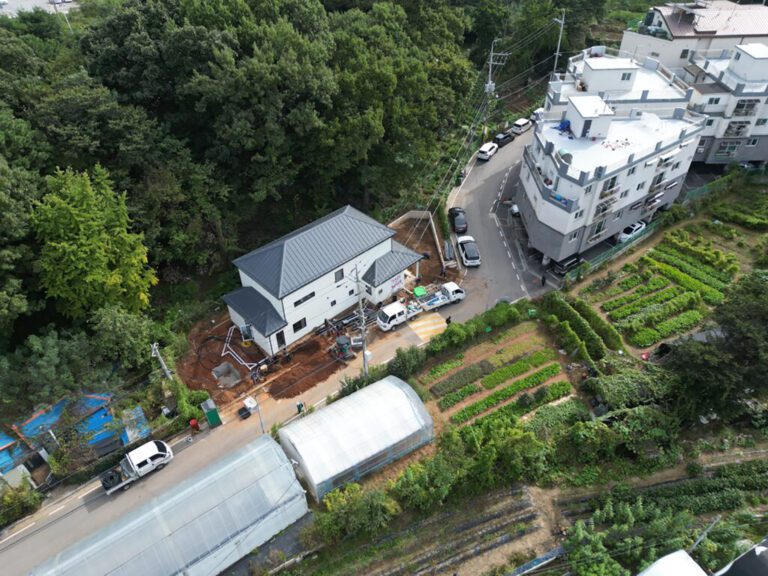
{"points": [[553, 392], [638, 305], [694, 271], [669, 249], [514, 351], [455, 397], [675, 325], [654, 284], [471, 373], [506, 393], [746, 219], [709, 294], [607, 333], [622, 286], [436, 372], [538, 358], [556, 304], [681, 240], [659, 312]]}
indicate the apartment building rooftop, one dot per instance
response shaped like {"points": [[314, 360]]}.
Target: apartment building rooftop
{"points": [[723, 67], [719, 18]]}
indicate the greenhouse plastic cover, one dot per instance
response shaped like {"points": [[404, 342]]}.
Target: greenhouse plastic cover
{"points": [[357, 434], [199, 527]]}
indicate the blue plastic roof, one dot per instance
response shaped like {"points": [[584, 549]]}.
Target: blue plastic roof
{"points": [[43, 420], [12, 452], [136, 426], [96, 427]]}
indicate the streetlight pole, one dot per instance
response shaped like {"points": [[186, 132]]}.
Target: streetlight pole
{"points": [[361, 314], [560, 21]]}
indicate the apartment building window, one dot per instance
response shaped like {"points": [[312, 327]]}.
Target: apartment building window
{"points": [[300, 325], [619, 214], [610, 183], [737, 56], [573, 236], [588, 189], [339, 276], [641, 186], [710, 121], [746, 107], [626, 76], [761, 122], [727, 148], [303, 299], [598, 228], [632, 171], [624, 194], [736, 128], [578, 214], [752, 142], [676, 165], [684, 53], [333, 303], [713, 100]]}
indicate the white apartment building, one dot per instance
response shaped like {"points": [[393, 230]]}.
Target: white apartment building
{"points": [[731, 87], [669, 33], [612, 148]]}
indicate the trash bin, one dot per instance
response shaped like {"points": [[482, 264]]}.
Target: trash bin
{"points": [[211, 413]]}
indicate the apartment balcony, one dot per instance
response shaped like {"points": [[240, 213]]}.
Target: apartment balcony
{"points": [[545, 190], [667, 184], [609, 193]]}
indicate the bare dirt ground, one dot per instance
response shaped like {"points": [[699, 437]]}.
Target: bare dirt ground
{"points": [[416, 234]]}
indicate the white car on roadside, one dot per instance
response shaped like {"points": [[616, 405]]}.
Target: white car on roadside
{"points": [[520, 126], [470, 255], [631, 231], [487, 150]]}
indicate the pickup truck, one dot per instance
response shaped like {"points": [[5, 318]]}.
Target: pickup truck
{"points": [[136, 464], [393, 315]]}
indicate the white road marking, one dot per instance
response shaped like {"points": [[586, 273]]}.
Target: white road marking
{"points": [[513, 264], [517, 276], [17, 532], [89, 491], [52, 512], [509, 255]]}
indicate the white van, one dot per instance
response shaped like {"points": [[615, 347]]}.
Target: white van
{"points": [[520, 126]]}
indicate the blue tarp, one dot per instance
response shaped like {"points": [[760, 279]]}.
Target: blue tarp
{"points": [[12, 452], [136, 426]]}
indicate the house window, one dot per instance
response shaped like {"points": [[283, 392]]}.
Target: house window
{"points": [[626, 76], [624, 194], [352, 292], [619, 214], [339, 275], [752, 142], [381, 291], [632, 170], [333, 303], [598, 228], [761, 122], [588, 189], [578, 214], [573, 236], [737, 56], [303, 299], [713, 100], [368, 290], [737, 128], [676, 165], [684, 53], [746, 107], [710, 121], [641, 186], [300, 325], [727, 148]]}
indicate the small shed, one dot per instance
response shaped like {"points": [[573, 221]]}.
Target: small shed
{"points": [[198, 527], [357, 435]]}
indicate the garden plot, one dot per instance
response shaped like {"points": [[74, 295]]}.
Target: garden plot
{"points": [[668, 291]]}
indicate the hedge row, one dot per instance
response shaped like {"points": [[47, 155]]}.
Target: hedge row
{"points": [[650, 300], [745, 219], [567, 339], [675, 325], [608, 333], [719, 273], [694, 271], [544, 395], [709, 294], [506, 393], [468, 375], [556, 304], [455, 397], [654, 284], [659, 312], [522, 366], [680, 239]]}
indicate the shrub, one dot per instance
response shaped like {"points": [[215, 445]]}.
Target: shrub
{"points": [[455, 397], [18, 502], [505, 373], [654, 284], [468, 375], [351, 385], [551, 420], [557, 305], [350, 511], [505, 393], [525, 400], [608, 333], [407, 362], [642, 303], [567, 339]]}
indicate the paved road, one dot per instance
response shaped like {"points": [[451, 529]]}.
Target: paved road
{"points": [[504, 273]]}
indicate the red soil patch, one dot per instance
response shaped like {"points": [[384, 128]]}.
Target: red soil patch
{"points": [[311, 363], [416, 234]]}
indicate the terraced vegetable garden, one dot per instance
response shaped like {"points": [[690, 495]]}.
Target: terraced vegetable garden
{"points": [[515, 374], [668, 292]]}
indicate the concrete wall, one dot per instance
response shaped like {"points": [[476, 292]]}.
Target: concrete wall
{"points": [[707, 150]]}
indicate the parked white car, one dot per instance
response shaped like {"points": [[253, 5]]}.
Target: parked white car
{"points": [[470, 255], [487, 150], [520, 126], [631, 231]]}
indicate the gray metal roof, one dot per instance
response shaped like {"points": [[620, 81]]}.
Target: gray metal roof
{"points": [[255, 310], [200, 526], [285, 265], [394, 262]]}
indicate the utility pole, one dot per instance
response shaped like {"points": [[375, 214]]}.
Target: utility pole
{"points": [[156, 354], [361, 313], [498, 59], [705, 533], [560, 21]]}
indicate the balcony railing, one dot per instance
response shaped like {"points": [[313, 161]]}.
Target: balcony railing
{"points": [[663, 185], [610, 192]]}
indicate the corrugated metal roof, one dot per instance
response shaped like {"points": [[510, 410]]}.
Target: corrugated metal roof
{"points": [[718, 19], [201, 526], [675, 564], [357, 434], [295, 260], [255, 310], [394, 262]]}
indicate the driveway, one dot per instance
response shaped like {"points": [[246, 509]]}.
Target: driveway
{"points": [[505, 273]]}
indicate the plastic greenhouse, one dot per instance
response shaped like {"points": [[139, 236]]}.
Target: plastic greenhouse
{"points": [[357, 435], [201, 526]]}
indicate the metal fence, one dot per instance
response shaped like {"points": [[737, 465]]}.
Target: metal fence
{"points": [[714, 186]]}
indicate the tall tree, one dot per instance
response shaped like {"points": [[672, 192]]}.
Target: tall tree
{"points": [[89, 257]]}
